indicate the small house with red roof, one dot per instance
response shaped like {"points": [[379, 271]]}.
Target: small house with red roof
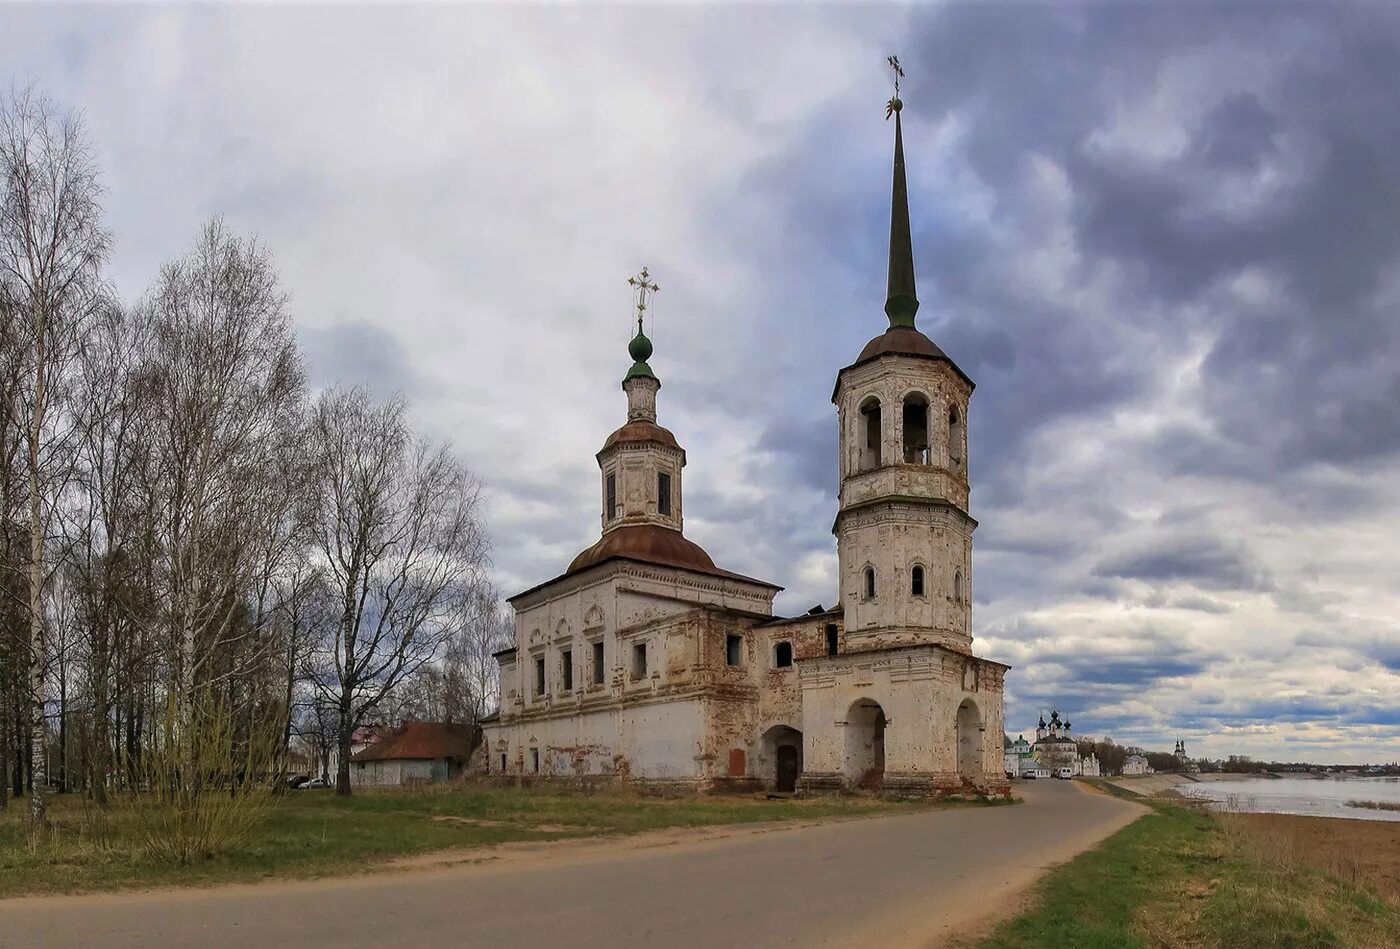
{"points": [[413, 753]]}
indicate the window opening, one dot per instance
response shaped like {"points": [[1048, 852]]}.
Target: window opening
{"points": [[832, 639], [916, 582], [870, 449], [598, 663], [663, 493], [869, 583], [535, 760], [782, 655], [539, 676], [639, 660], [610, 511], [567, 658], [955, 438], [916, 430], [734, 650]]}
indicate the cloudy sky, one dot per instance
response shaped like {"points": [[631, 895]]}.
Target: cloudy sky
{"points": [[1164, 242]]}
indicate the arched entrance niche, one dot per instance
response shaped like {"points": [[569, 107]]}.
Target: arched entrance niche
{"points": [[970, 741], [865, 744], [782, 750]]}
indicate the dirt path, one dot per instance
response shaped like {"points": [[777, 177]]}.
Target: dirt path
{"points": [[910, 880]]}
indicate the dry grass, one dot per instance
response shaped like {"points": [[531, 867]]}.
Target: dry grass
{"points": [[1188, 878], [1376, 805]]}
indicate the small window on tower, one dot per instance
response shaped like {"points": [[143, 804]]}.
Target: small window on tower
{"points": [[567, 660], [870, 443], [734, 650], [915, 430], [869, 583], [833, 639], [955, 439], [916, 583], [957, 587], [663, 493], [610, 508], [598, 663]]}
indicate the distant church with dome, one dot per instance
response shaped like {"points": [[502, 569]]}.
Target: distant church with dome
{"points": [[644, 661]]}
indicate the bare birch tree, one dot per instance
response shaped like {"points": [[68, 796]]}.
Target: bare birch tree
{"points": [[52, 246], [398, 527]]}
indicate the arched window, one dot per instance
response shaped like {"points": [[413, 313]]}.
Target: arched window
{"points": [[957, 587], [610, 502], [916, 580], [915, 429], [782, 655], [955, 439], [869, 583], [871, 434]]}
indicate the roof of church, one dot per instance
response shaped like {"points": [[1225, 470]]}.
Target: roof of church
{"points": [[641, 430], [648, 543], [905, 341]]}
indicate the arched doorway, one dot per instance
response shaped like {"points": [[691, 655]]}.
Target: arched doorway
{"points": [[782, 748], [865, 744], [969, 741]]}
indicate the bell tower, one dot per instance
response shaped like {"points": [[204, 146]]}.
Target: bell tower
{"points": [[903, 533], [641, 462]]}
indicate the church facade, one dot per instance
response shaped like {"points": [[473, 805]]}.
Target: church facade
{"points": [[644, 661]]}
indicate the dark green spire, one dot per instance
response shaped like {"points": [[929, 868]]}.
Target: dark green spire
{"points": [[901, 301]]}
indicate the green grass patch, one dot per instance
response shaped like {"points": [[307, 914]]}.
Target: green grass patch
{"points": [[1177, 877], [313, 833]]}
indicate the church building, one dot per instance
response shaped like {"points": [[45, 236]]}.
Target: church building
{"points": [[646, 662]]}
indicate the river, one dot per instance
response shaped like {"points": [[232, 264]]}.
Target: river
{"points": [[1315, 797]]}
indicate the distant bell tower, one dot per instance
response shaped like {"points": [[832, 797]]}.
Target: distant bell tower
{"points": [[641, 462], [903, 532]]}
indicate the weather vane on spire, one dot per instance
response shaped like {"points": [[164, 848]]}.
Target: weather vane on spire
{"points": [[894, 105], [644, 287]]}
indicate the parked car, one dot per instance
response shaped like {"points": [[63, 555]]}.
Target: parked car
{"points": [[296, 780], [314, 783], [1065, 772]]}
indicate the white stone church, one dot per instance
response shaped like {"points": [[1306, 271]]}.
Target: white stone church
{"points": [[645, 662]]}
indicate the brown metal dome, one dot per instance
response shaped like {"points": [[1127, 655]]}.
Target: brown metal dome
{"points": [[649, 544]]}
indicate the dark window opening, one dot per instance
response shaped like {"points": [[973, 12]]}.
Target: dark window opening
{"points": [[916, 582], [916, 430], [535, 760], [870, 448], [782, 655], [957, 587], [503, 763], [610, 511], [663, 493], [597, 663], [734, 650], [869, 583], [833, 639], [639, 660], [539, 676], [955, 438], [567, 658]]}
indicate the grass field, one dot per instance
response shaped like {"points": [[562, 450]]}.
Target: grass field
{"points": [[1182, 877], [313, 833]]}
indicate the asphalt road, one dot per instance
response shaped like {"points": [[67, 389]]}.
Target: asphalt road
{"points": [[897, 881]]}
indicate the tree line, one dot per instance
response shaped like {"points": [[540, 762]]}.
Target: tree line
{"points": [[201, 559]]}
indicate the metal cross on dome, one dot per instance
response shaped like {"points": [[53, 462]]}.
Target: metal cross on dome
{"points": [[892, 106], [644, 287]]}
